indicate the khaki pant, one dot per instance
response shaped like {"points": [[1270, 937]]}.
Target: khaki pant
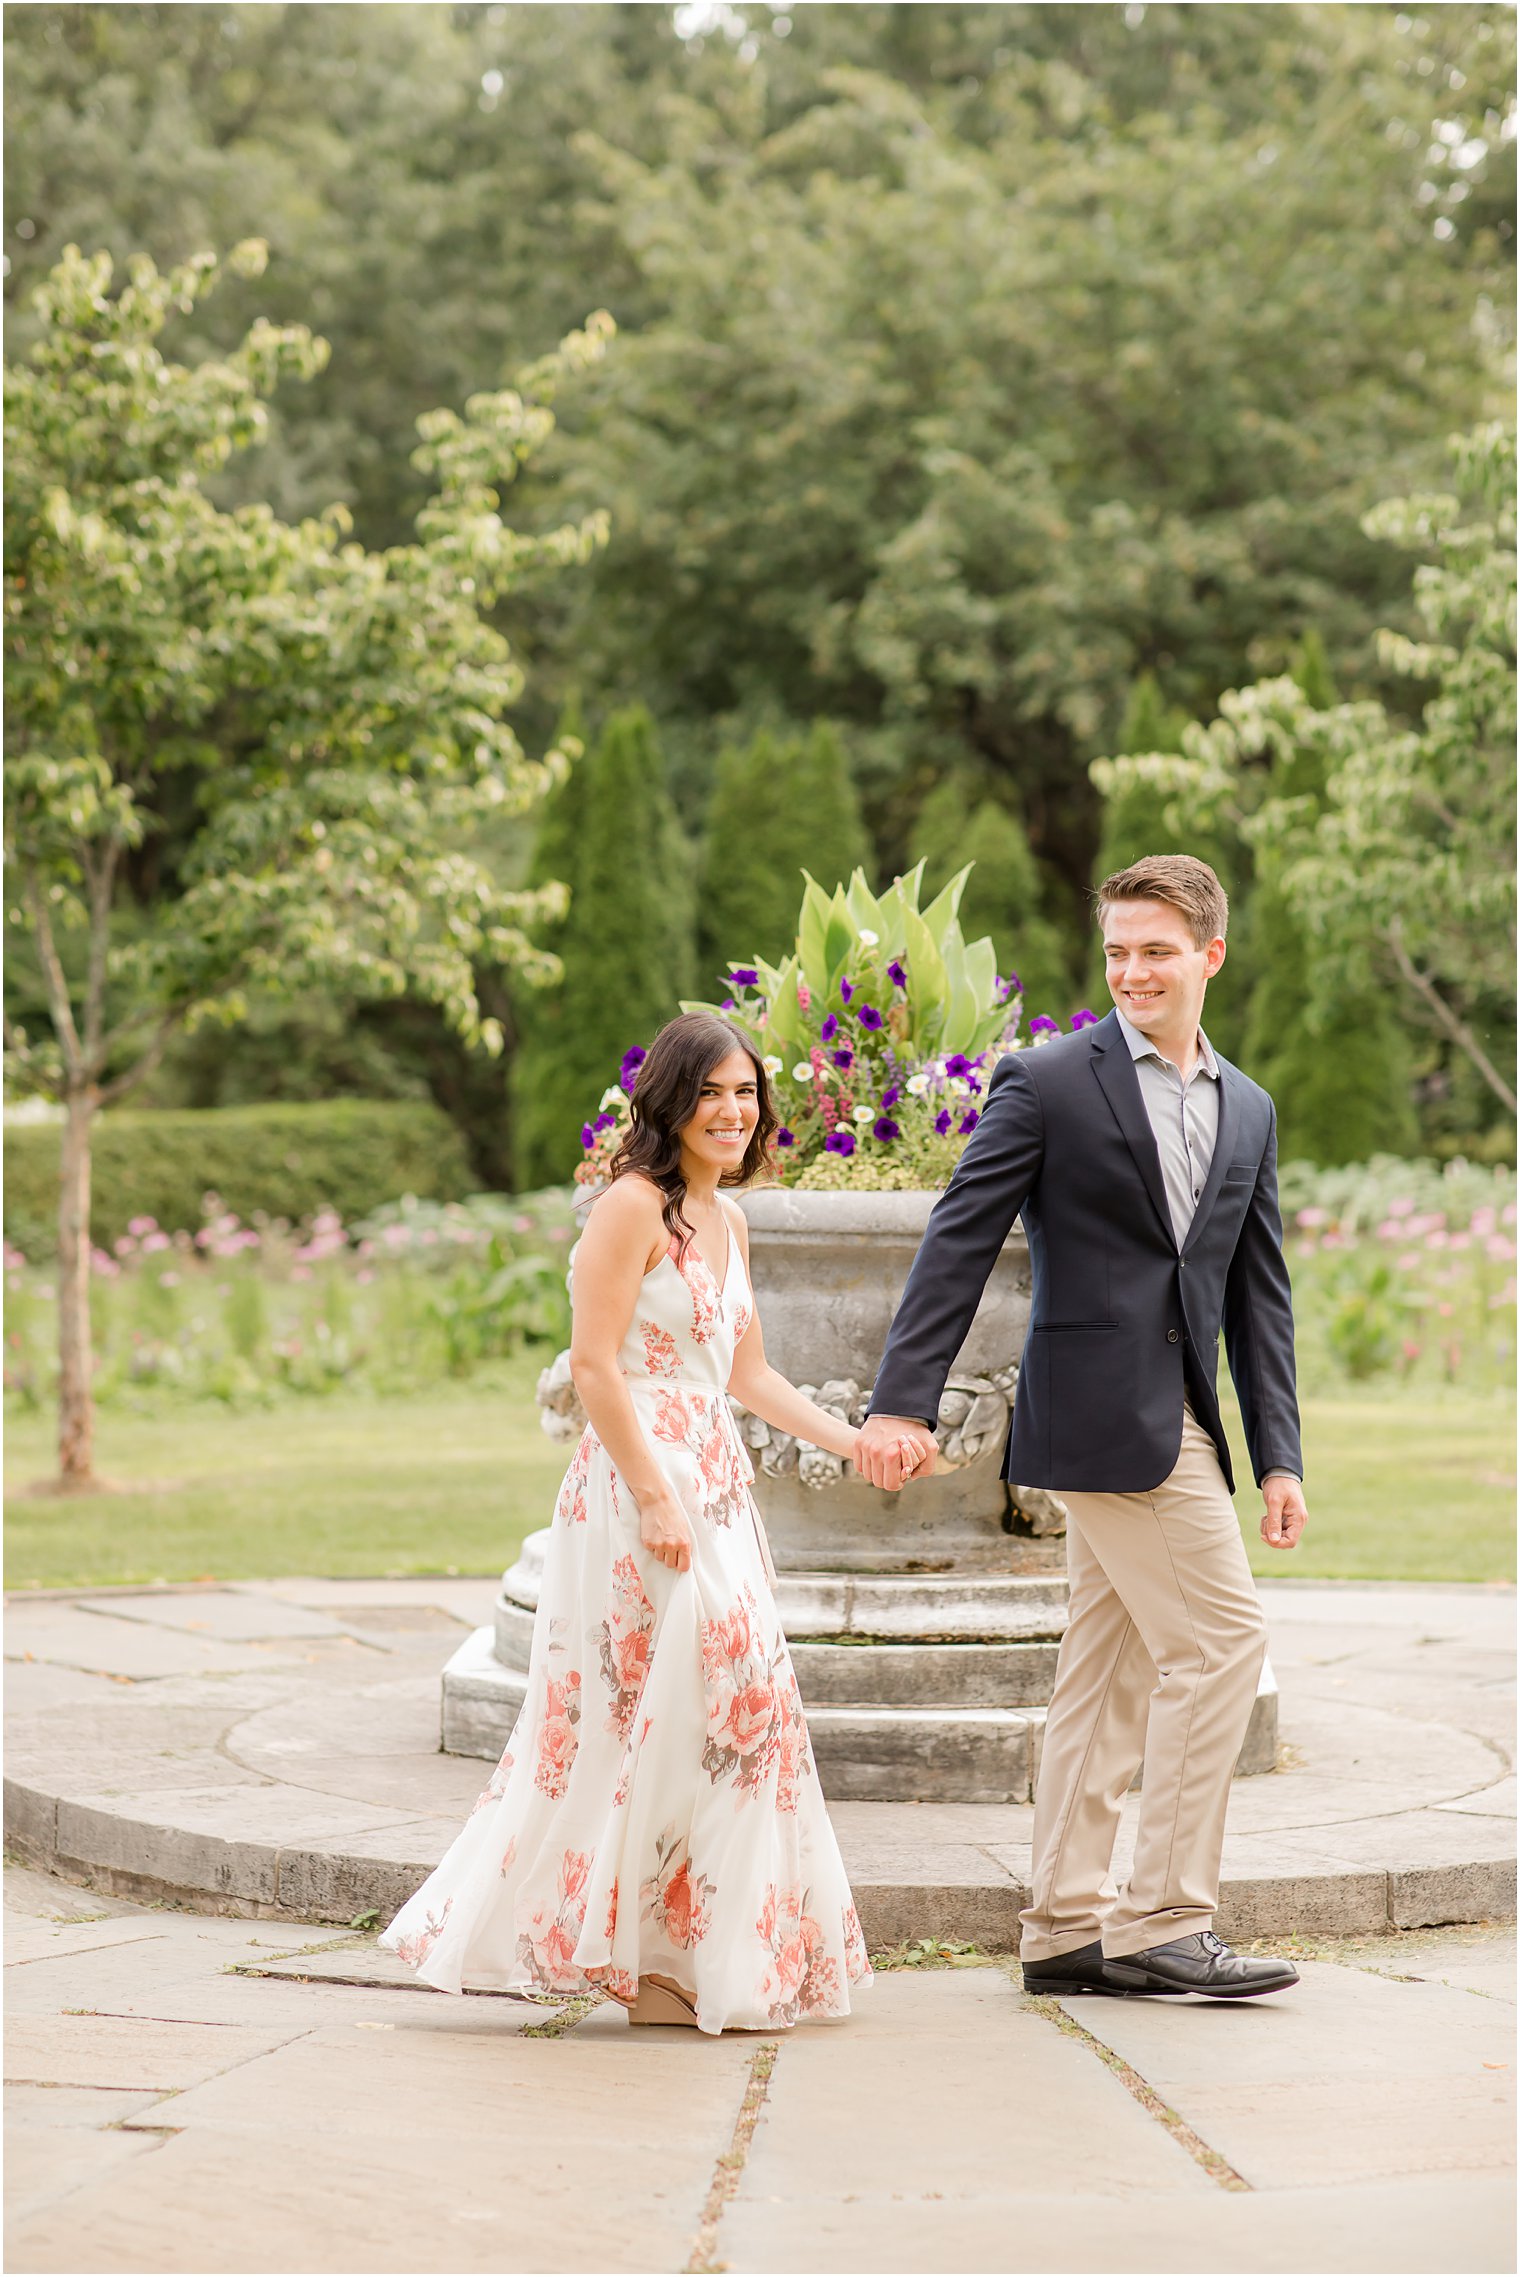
{"points": [[1160, 1663]]}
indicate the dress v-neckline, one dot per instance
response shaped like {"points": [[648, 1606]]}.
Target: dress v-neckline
{"points": [[720, 1287]]}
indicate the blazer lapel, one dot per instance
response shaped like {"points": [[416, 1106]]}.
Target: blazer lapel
{"points": [[1115, 1071], [1224, 1149]]}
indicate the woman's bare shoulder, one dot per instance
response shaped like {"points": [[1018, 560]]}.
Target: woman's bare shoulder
{"points": [[629, 1211]]}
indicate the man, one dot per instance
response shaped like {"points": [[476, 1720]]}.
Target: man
{"points": [[1144, 1167]]}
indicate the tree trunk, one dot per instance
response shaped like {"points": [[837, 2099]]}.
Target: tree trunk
{"points": [[76, 1411]]}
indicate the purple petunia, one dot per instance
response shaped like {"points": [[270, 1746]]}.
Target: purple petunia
{"points": [[896, 974], [845, 990], [839, 1142], [743, 976], [633, 1060], [729, 1004], [830, 1029], [844, 1057], [942, 1121], [1043, 1025], [588, 1135], [884, 1128], [869, 1017], [1084, 1019], [968, 1122], [957, 1064], [784, 1137], [605, 1121], [890, 1097]]}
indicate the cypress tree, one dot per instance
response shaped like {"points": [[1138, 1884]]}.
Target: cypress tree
{"points": [[1002, 896], [613, 835], [780, 804], [1341, 1074]]}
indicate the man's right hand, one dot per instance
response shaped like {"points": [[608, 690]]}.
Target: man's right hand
{"points": [[894, 1448]]}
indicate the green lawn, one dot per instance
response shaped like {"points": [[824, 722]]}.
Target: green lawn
{"points": [[1404, 1484]]}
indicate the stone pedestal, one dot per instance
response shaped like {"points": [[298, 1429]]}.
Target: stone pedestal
{"points": [[924, 1626]]}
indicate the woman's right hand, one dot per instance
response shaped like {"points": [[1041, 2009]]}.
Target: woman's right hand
{"points": [[664, 1530]]}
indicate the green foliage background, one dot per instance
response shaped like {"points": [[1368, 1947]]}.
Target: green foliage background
{"points": [[998, 384], [288, 1161]]}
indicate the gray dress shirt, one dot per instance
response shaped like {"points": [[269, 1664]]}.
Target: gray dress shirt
{"points": [[1184, 1115]]}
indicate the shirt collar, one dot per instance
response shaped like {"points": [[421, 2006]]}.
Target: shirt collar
{"points": [[1141, 1047]]}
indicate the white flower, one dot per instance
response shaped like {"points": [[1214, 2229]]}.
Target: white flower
{"points": [[959, 1085], [916, 1086], [613, 1096], [868, 940], [865, 1115], [771, 1064], [803, 1071]]}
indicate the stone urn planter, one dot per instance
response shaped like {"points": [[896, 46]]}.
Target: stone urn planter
{"points": [[923, 1626]]}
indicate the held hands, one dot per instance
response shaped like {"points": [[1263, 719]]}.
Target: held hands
{"points": [[1286, 1514], [891, 1449], [664, 1531]]}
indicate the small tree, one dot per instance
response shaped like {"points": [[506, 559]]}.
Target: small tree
{"points": [[329, 720], [781, 803], [1401, 863], [1341, 1073], [1002, 896], [625, 947]]}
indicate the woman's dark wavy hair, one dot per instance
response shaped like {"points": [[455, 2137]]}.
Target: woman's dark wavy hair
{"points": [[666, 1094]]}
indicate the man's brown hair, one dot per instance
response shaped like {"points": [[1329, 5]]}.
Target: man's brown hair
{"points": [[1183, 882]]}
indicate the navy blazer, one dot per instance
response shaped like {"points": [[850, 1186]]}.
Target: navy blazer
{"points": [[1121, 1320]]}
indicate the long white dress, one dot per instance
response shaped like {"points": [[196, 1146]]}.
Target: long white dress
{"points": [[657, 1809]]}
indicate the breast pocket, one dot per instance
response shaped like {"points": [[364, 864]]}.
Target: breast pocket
{"points": [[1239, 1172]]}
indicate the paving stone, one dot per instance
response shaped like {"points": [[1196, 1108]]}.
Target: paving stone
{"points": [[231, 1615], [991, 2094], [554, 2189], [114, 2051], [98, 1642], [1497, 1801], [43, 2164], [35, 1685], [27, 2106], [1427, 2226], [1348, 2076], [1478, 1963], [30, 1941]]}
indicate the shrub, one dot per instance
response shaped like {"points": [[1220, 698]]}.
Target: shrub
{"points": [[288, 1161]]}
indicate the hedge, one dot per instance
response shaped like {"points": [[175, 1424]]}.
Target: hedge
{"points": [[288, 1161]]}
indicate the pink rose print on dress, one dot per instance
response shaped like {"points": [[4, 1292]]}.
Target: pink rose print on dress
{"points": [[416, 1946], [706, 1297], [571, 1506], [557, 1741], [625, 1641], [856, 1961], [726, 1471], [801, 1979], [509, 1855], [545, 1949], [611, 1910], [794, 1761], [676, 1417], [661, 1356], [674, 1898], [497, 1785], [742, 1739], [742, 1318]]}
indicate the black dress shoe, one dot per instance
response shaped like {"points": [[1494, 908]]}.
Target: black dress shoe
{"points": [[1082, 1971], [1200, 1963]]}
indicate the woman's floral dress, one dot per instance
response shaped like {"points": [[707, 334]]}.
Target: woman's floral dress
{"points": [[657, 1809]]}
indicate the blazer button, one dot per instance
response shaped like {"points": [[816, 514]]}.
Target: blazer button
{"points": [[1171, 1336]]}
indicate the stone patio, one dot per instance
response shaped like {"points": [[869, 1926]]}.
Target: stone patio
{"points": [[196, 2094], [271, 1748]]}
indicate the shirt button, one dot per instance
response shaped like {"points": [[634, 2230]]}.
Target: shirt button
{"points": [[1171, 1336]]}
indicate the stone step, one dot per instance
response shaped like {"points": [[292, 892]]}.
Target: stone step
{"points": [[927, 1750], [980, 1608], [873, 1675]]}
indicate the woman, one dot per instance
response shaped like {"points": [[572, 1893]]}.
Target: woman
{"points": [[654, 1828]]}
